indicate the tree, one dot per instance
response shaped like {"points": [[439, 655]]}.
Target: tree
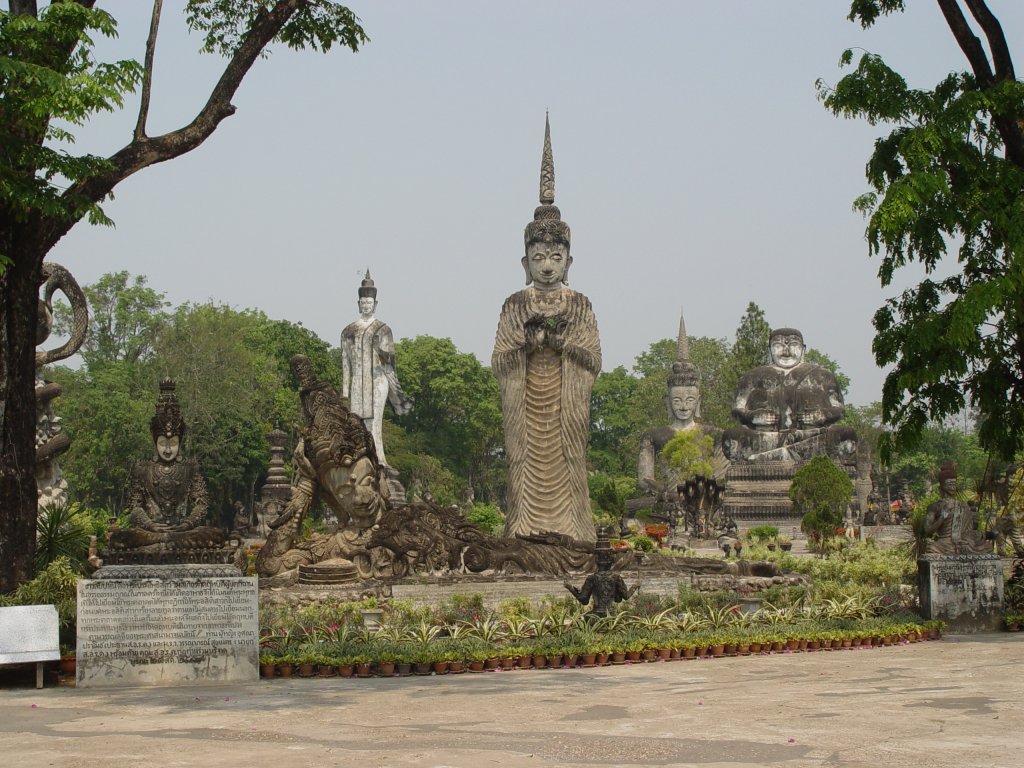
{"points": [[456, 413], [821, 494], [949, 175], [689, 453], [750, 349], [50, 81], [125, 320]]}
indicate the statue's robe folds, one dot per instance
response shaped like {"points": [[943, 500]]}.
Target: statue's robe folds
{"points": [[545, 401], [369, 379]]}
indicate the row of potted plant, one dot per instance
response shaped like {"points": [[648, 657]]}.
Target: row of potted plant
{"points": [[580, 647]]}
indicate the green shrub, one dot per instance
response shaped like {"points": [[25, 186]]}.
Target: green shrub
{"points": [[62, 531], [762, 533], [487, 517]]}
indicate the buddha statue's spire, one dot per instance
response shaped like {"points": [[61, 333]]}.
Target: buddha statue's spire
{"points": [[684, 373], [547, 221], [547, 168]]}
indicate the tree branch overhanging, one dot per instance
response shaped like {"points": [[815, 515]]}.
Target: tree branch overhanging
{"points": [[996, 39], [147, 74], [145, 151]]}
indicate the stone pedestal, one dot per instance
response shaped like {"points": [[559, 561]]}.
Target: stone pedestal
{"points": [[167, 625], [965, 591], [759, 492]]}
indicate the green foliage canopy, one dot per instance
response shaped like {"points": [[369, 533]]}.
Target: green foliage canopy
{"points": [[949, 176], [821, 493]]}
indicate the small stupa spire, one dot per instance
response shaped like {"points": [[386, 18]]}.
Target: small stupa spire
{"points": [[682, 341]]}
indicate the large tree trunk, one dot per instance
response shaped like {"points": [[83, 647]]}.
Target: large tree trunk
{"points": [[19, 301]]}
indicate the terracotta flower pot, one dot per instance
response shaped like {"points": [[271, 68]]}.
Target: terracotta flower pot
{"points": [[386, 668], [700, 651], [619, 657], [570, 660], [588, 659], [268, 670], [689, 653], [403, 668], [492, 663], [508, 662], [813, 645], [674, 653], [363, 670], [346, 670], [601, 659], [325, 670], [476, 666], [422, 668], [524, 662], [456, 667], [649, 654], [717, 650], [632, 655], [540, 662], [306, 670], [777, 645], [743, 649], [665, 654], [793, 645], [847, 642], [856, 642], [285, 669], [68, 665], [755, 648], [440, 667]]}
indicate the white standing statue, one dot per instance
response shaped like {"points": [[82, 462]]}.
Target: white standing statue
{"points": [[368, 376]]}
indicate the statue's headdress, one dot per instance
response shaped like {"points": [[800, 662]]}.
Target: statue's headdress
{"points": [[367, 288], [684, 373], [603, 543], [786, 332], [167, 420], [547, 219], [947, 471]]}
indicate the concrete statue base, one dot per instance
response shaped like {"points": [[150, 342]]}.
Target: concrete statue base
{"points": [[965, 591]]}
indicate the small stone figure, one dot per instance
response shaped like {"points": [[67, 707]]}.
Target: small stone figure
{"points": [[368, 375], [546, 356], [167, 499], [242, 521], [788, 409], [952, 521], [605, 587]]}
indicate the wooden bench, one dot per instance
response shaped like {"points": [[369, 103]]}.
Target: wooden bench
{"points": [[28, 633]]}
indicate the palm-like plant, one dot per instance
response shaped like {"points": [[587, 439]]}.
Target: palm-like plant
{"points": [[658, 621], [518, 628], [488, 629], [60, 533]]}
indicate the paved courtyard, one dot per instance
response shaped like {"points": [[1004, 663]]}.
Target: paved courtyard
{"points": [[941, 704]]}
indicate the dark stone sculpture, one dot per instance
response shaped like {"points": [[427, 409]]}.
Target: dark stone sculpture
{"points": [[51, 442], [604, 586], [953, 522], [167, 501]]}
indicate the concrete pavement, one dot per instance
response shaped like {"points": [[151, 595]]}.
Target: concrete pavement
{"points": [[943, 704]]}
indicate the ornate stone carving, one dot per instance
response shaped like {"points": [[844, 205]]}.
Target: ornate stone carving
{"points": [[547, 353], [604, 587], [51, 442], [369, 378], [953, 523], [167, 501]]}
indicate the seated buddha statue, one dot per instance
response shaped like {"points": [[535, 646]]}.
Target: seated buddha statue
{"points": [[167, 497], [788, 409]]}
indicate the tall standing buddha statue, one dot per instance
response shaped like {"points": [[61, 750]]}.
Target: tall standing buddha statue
{"points": [[547, 354]]}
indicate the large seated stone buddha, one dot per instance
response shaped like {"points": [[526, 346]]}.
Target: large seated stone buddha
{"points": [[788, 409]]}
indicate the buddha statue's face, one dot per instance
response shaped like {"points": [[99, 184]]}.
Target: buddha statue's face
{"points": [[547, 263], [367, 306], [167, 447], [787, 351], [683, 403]]}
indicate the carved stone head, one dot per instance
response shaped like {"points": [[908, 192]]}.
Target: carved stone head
{"points": [[367, 297], [167, 426], [547, 237], [786, 346]]}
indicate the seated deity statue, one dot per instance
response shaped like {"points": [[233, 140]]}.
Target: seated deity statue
{"points": [[167, 499], [952, 521], [547, 353], [788, 409], [683, 399], [368, 375]]}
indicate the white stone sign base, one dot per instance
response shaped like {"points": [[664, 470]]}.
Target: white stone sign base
{"points": [[965, 591], [167, 625]]}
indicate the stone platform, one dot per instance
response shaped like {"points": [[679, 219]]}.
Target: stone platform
{"points": [[965, 591]]}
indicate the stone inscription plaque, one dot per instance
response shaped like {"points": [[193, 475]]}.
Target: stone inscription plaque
{"points": [[966, 591], [167, 631]]}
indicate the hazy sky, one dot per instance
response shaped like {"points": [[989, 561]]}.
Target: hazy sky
{"points": [[693, 161]]}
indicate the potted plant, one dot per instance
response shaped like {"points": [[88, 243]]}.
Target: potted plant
{"points": [[286, 665], [785, 543]]}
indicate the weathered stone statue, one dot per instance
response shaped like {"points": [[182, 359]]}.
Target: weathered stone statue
{"points": [[953, 523], [51, 442], [788, 409], [547, 354], [605, 587], [369, 379], [167, 501], [683, 399]]}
